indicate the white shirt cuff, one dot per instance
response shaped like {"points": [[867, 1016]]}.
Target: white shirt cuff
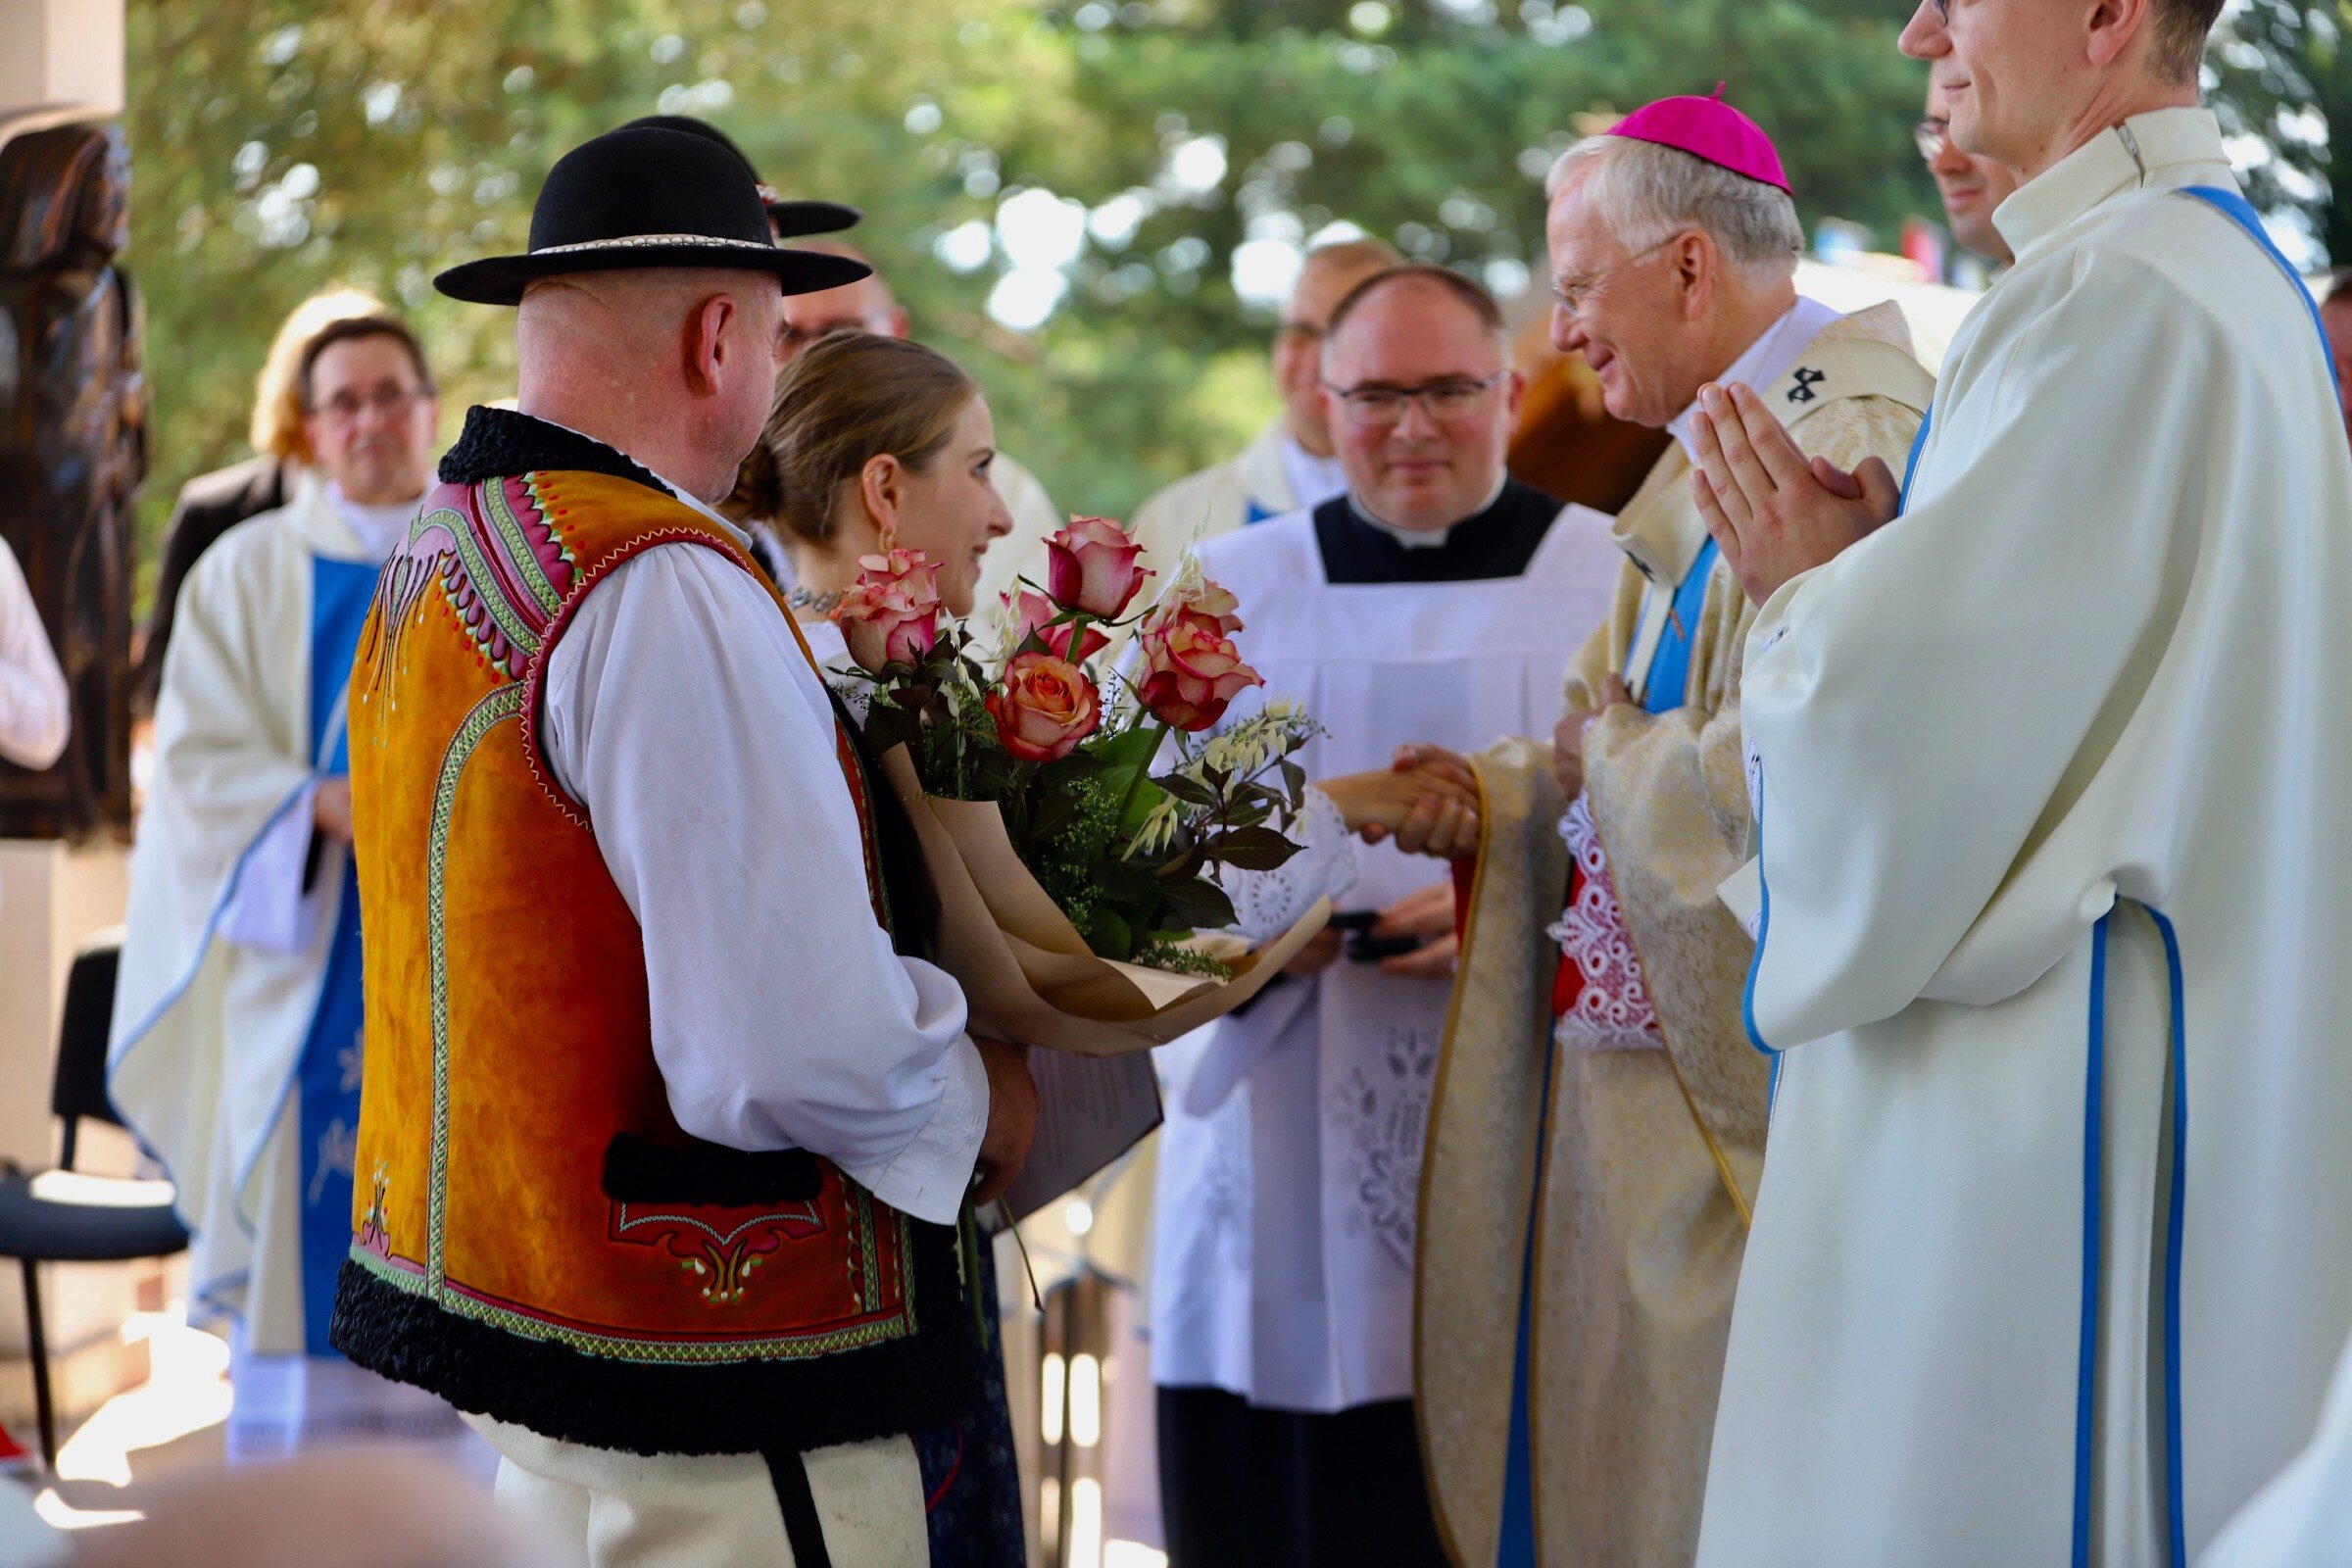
{"points": [[930, 1176]]}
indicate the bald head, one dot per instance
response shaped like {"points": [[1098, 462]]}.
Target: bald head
{"points": [[674, 365], [865, 306], [1329, 274]]}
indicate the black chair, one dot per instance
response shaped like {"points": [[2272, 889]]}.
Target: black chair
{"points": [[80, 1219]]}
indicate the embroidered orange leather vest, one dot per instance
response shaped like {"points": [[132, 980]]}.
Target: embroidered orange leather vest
{"points": [[535, 1238]]}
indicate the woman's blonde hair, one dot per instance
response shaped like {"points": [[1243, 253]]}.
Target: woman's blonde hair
{"points": [[277, 392], [845, 399]]}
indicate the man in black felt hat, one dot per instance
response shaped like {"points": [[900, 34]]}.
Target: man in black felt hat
{"points": [[788, 218], [665, 1136]]}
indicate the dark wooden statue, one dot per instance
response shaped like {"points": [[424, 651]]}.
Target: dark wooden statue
{"points": [[73, 451]]}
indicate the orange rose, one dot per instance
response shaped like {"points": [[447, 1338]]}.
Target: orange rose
{"points": [[1044, 709]]}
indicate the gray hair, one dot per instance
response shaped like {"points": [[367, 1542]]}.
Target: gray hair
{"points": [[1648, 193]]}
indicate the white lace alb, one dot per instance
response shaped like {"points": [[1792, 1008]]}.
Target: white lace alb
{"points": [[1266, 904], [1612, 1012]]}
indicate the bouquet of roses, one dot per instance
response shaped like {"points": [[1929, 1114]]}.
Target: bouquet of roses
{"points": [[1079, 888]]}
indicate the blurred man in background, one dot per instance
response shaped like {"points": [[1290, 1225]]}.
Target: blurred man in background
{"points": [[1971, 186], [1291, 466], [211, 503]]}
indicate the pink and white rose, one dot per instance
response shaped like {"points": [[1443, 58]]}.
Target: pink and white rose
{"points": [[1192, 594], [891, 614], [1191, 668], [1044, 708], [1091, 565]]}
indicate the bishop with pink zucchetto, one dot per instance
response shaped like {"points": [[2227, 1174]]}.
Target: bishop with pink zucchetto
{"points": [[1598, 1132], [1709, 130]]}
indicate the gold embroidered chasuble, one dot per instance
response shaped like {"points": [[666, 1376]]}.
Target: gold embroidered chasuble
{"points": [[1649, 1157]]}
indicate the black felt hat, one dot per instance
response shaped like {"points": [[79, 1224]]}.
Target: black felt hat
{"points": [[644, 197], [791, 218]]}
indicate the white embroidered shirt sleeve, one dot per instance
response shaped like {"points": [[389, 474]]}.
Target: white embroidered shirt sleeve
{"points": [[681, 713], [1267, 903]]}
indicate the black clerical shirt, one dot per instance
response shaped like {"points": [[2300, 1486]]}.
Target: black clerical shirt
{"points": [[1498, 542]]}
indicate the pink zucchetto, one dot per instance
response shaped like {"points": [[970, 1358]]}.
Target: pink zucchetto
{"points": [[1708, 128]]}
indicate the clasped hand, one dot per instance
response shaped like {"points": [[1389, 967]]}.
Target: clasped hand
{"points": [[1426, 799], [1775, 513]]}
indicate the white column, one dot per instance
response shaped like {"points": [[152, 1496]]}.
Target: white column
{"points": [[61, 52]]}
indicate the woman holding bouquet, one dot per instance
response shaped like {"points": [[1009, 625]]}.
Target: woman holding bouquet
{"points": [[878, 445]]}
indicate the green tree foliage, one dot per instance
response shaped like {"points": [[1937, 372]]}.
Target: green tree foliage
{"points": [[2280, 71], [282, 145]]}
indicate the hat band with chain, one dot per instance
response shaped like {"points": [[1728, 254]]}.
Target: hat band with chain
{"points": [[623, 242]]}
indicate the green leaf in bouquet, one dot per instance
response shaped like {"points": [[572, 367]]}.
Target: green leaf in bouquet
{"points": [[888, 725], [1293, 779], [1056, 813], [1142, 801], [1126, 880], [1252, 848], [1129, 747], [1198, 904], [1190, 791]]}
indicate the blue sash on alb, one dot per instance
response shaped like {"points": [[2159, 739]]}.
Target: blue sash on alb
{"points": [[327, 1073]]}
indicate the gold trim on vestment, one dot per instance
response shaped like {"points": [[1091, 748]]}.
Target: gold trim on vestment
{"points": [[1436, 1096]]}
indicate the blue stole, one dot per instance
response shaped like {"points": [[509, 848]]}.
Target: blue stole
{"points": [[327, 1072], [1663, 691]]}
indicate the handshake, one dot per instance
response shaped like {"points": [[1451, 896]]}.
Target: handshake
{"points": [[1426, 799]]}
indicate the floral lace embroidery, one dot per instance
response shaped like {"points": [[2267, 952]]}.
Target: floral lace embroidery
{"points": [[1612, 1012], [1223, 1194], [1268, 903], [1377, 1117]]}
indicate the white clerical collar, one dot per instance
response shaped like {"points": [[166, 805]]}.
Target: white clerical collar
{"points": [[2155, 149], [1425, 538], [734, 531], [379, 529], [1313, 480], [1766, 359]]}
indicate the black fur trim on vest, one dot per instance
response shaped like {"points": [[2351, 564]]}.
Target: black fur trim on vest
{"points": [[925, 1380], [499, 442]]}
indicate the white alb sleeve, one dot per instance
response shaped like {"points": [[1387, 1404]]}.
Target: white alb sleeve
{"points": [[1266, 904]]}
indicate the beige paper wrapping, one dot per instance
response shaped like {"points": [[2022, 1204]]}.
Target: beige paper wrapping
{"points": [[1027, 974]]}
